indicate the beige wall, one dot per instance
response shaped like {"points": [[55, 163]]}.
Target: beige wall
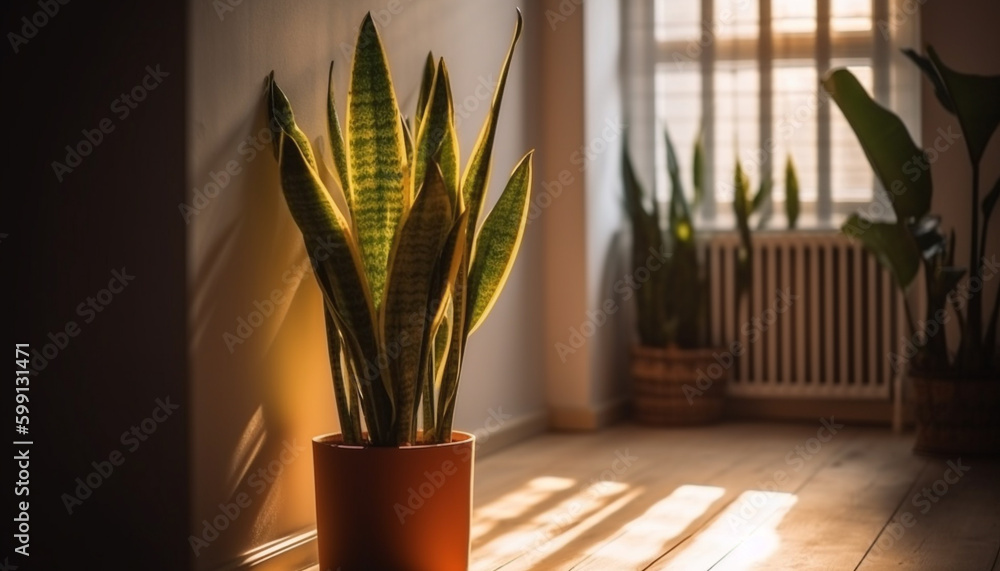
{"points": [[272, 391], [965, 36]]}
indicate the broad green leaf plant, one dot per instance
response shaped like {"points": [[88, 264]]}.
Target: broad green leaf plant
{"points": [[913, 239], [406, 271]]}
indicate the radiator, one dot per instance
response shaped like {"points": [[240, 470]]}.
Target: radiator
{"points": [[842, 317]]}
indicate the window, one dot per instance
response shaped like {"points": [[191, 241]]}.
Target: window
{"points": [[745, 74]]}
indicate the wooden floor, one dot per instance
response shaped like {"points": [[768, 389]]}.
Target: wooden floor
{"points": [[733, 496]]}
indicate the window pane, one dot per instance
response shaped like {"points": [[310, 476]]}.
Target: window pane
{"points": [[850, 15], [678, 108], [677, 20], [793, 16], [794, 130], [737, 89], [735, 18], [852, 178]]}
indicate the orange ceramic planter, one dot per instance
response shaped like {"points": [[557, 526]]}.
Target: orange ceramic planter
{"points": [[396, 508]]}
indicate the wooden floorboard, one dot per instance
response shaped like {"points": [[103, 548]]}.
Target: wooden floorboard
{"points": [[943, 525], [732, 496]]}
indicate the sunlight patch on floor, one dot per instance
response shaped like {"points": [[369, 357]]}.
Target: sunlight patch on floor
{"points": [[642, 540], [547, 531], [749, 520], [517, 503]]}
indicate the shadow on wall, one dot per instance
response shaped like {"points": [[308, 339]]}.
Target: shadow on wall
{"points": [[251, 289]]}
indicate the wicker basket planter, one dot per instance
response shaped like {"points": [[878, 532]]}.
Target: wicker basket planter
{"points": [[957, 416], [677, 386]]}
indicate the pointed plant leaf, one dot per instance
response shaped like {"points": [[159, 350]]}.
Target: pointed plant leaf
{"points": [[477, 173], [329, 242], [698, 171], [792, 204], [893, 155], [498, 242], [931, 73], [891, 244], [279, 111], [426, 82], [763, 193], [337, 147], [414, 255], [990, 200], [975, 98], [437, 137], [376, 155], [681, 226]]}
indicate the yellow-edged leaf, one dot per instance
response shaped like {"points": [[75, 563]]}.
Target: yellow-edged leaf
{"points": [[337, 147], [437, 137], [426, 82], [497, 244], [403, 317], [376, 156], [477, 173], [279, 111]]}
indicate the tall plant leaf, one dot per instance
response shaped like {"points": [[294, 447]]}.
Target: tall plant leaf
{"points": [[975, 98], [646, 236], [926, 66], [792, 205], [499, 240], [376, 155], [337, 146], [437, 134], [426, 82], [698, 171], [891, 152], [892, 245], [417, 248], [477, 174]]}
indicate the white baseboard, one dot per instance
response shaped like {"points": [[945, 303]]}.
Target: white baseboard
{"points": [[512, 431]]}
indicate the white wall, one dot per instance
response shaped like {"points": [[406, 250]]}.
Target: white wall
{"points": [[273, 390]]}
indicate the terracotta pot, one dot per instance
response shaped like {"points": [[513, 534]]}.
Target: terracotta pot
{"points": [[677, 386], [394, 508], [956, 416]]}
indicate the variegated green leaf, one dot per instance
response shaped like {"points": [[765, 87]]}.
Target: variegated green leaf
{"points": [[426, 82], [477, 174], [456, 351], [439, 301], [497, 244], [437, 137], [329, 243], [337, 146], [376, 156], [344, 411], [279, 111], [415, 254]]}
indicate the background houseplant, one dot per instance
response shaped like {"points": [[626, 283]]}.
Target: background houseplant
{"points": [[667, 368], [406, 274], [957, 393]]}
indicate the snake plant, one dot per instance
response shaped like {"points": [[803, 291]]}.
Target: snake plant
{"points": [[913, 238], [673, 302], [406, 271]]}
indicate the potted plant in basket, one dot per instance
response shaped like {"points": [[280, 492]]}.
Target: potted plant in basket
{"points": [[409, 274], [957, 394], [669, 363]]}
